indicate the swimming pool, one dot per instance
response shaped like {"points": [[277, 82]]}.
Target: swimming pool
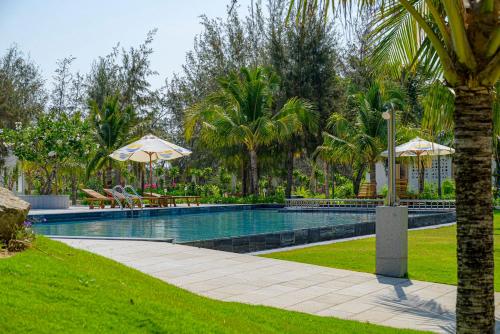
{"points": [[202, 226], [233, 228]]}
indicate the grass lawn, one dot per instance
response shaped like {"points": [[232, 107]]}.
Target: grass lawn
{"points": [[431, 255], [55, 288]]}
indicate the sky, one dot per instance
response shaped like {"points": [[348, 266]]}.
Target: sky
{"points": [[86, 29]]}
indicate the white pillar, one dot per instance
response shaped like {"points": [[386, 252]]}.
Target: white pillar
{"points": [[391, 229]]}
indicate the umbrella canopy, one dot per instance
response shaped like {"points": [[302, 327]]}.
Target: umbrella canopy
{"points": [[149, 148], [419, 147]]}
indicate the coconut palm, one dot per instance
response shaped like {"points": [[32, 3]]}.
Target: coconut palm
{"points": [[366, 137], [112, 125], [241, 114], [459, 40]]}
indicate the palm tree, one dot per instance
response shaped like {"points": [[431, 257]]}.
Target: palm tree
{"points": [[364, 139], [241, 114], [112, 125], [459, 40]]}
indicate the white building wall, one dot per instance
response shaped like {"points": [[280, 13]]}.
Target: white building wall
{"points": [[430, 175], [9, 164]]}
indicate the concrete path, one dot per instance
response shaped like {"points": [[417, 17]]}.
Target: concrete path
{"points": [[293, 286]]}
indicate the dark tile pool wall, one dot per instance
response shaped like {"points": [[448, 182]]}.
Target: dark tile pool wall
{"points": [[260, 242]]}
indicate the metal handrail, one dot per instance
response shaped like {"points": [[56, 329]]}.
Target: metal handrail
{"points": [[121, 190], [367, 203], [133, 194], [116, 198]]}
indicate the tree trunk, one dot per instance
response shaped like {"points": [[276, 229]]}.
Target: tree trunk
{"points": [[333, 181], [357, 180], [373, 175], [289, 173], [109, 175], [74, 188], [327, 176], [473, 143], [439, 176], [103, 176], [254, 177], [244, 179]]}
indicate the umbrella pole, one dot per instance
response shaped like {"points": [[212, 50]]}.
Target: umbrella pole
{"points": [[150, 175]]}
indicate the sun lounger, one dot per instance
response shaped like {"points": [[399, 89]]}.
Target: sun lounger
{"points": [[95, 198]]}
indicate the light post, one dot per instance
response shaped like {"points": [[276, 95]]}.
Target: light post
{"points": [[391, 221], [391, 140]]}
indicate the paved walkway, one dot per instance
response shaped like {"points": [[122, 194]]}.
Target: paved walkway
{"points": [[293, 286]]}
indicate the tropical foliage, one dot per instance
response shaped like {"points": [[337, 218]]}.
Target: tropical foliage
{"points": [[458, 41], [241, 116], [55, 142], [112, 124]]}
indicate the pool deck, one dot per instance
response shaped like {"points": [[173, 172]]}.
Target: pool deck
{"points": [[317, 290], [85, 209]]}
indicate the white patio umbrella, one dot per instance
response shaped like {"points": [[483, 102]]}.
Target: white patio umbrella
{"points": [[148, 149], [418, 147]]}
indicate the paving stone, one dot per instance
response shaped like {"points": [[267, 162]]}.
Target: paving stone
{"points": [[322, 291]]}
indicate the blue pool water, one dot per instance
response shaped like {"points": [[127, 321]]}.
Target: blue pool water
{"points": [[202, 226]]}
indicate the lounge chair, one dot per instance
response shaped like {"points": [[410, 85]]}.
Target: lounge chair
{"points": [[95, 198]]}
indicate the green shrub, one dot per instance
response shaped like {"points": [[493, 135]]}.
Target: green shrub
{"points": [[302, 192], [448, 189], [345, 190]]}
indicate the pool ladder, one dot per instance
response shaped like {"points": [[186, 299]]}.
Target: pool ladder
{"points": [[129, 198]]}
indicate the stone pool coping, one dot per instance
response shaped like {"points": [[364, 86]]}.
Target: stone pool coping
{"points": [[147, 212], [267, 241]]}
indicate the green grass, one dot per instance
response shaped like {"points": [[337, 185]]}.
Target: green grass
{"points": [[431, 255], [54, 288]]}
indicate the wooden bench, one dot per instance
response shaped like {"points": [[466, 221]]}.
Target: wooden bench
{"points": [[164, 200], [196, 199]]}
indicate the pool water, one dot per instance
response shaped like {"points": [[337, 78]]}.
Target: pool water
{"points": [[202, 226]]}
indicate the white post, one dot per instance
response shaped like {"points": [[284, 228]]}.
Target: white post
{"points": [[391, 222]]}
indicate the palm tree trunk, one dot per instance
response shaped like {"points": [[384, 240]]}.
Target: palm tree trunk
{"points": [[109, 175], [254, 177], [333, 181], [440, 193], [373, 175], [473, 140], [74, 188], [289, 173], [244, 179], [357, 179], [327, 176]]}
